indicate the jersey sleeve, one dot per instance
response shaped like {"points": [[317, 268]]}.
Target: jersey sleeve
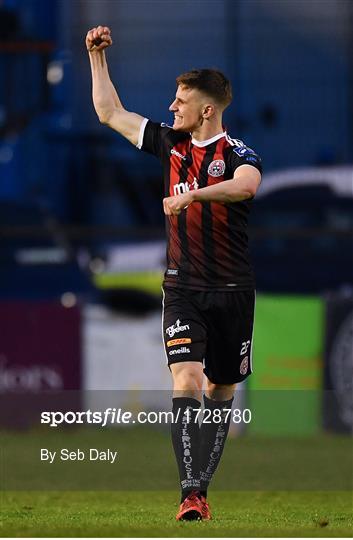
{"points": [[243, 155], [152, 137]]}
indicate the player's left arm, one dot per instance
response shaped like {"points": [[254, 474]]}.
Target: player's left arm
{"points": [[242, 186]]}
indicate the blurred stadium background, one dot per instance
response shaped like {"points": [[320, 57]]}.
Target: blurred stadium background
{"points": [[81, 222]]}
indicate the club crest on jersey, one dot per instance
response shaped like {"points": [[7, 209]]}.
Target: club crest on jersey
{"points": [[216, 168]]}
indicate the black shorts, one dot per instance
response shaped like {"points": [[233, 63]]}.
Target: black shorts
{"points": [[214, 328]]}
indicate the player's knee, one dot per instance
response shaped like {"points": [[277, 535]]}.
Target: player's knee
{"points": [[187, 378], [219, 392]]}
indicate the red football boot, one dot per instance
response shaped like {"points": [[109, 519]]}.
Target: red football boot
{"points": [[205, 509], [190, 509]]}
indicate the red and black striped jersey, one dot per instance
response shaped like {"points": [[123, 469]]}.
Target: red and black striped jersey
{"points": [[207, 243]]}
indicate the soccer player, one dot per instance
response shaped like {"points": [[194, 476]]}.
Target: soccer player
{"points": [[208, 303]]}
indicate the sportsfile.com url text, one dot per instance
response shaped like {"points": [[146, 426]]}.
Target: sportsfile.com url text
{"points": [[112, 416]]}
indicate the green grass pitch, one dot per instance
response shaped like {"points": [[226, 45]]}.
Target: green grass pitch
{"points": [[265, 486], [151, 514]]}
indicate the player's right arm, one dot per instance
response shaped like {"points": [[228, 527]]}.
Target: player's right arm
{"points": [[106, 101]]}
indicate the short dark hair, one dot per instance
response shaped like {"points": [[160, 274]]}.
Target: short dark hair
{"points": [[211, 82]]}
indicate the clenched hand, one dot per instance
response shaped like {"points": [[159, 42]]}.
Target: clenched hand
{"points": [[98, 38], [174, 205]]}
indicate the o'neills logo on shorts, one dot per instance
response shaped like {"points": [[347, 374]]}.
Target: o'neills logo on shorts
{"points": [[180, 351], [180, 341]]}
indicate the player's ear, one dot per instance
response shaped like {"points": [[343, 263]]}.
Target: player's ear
{"points": [[208, 111]]}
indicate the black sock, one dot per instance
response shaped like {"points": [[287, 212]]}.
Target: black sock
{"points": [[213, 437], [186, 443]]}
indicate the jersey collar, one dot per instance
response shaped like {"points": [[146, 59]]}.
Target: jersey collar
{"points": [[200, 144]]}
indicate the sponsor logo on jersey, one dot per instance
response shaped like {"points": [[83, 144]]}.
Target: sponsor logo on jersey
{"points": [[172, 272], [179, 341], [216, 168], [176, 328], [243, 151], [244, 366], [164, 124], [175, 153], [184, 187], [180, 351]]}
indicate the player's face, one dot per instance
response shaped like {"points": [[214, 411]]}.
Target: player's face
{"points": [[187, 108]]}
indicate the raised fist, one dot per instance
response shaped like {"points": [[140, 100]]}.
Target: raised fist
{"points": [[98, 38]]}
